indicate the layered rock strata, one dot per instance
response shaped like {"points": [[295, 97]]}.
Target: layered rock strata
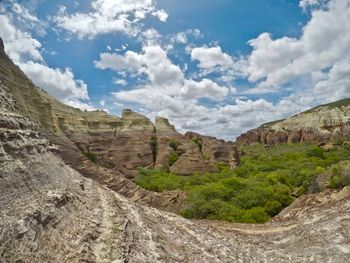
{"points": [[322, 124]]}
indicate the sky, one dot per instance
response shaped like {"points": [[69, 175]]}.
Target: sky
{"points": [[214, 67]]}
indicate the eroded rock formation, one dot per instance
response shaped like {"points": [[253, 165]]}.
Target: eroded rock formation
{"points": [[324, 123], [123, 143], [50, 213]]}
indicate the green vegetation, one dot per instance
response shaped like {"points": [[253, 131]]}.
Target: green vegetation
{"points": [[198, 141], [91, 156], [267, 181], [340, 176], [173, 145], [173, 157], [153, 141], [153, 144]]}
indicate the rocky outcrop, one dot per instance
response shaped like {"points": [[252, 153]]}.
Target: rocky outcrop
{"points": [[193, 153], [218, 151], [124, 143], [324, 123], [2, 47], [49, 212]]}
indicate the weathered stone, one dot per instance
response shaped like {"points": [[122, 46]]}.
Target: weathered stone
{"points": [[322, 124], [2, 46], [294, 137], [49, 212]]}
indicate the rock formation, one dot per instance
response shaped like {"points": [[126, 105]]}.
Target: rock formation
{"points": [[123, 143], [321, 124], [2, 47], [49, 212]]}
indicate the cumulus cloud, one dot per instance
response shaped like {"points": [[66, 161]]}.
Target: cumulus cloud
{"points": [[19, 45], [25, 51], [59, 83], [161, 14], [325, 40], [205, 88], [152, 61], [108, 16], [211, 57]]}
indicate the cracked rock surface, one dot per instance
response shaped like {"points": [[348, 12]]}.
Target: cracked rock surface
{"points": [[49, 212]]}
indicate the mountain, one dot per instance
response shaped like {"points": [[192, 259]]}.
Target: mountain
{"points": [[54, 212], [329, 122]]}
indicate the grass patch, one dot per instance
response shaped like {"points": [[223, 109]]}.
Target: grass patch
{"points": [[266, 182]]}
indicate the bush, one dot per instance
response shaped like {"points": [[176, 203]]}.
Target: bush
{"points": [[153, 141], [91, 156], [266, 182], [153, 144], [173, 145], [315, 152], [199, 142], [173, 157], [339, 178]]}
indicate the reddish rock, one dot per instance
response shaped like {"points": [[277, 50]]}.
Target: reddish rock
{"points": [[250, 137], [313, 137], [276, 138], [294, 137]]}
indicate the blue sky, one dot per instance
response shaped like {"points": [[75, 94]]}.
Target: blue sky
{"points": [[215, 67]]}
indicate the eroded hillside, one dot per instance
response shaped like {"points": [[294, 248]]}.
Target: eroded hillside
{"points": [[49, 212], [330, 122]]}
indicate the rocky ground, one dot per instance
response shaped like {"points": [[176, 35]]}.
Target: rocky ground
{"points": [[49, 212]]}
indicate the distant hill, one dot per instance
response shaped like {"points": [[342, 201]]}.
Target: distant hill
{"points": [[327, 122]]}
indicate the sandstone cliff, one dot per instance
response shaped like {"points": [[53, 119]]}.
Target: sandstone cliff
{"points": [[324, 123], [122, 143], [49, 212]]}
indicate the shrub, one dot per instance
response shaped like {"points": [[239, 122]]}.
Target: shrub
{"points": [[315, 152], [273, 207], [153, 141], [174, 144], [153, 144], [199, 142], [265, 183], [91, 156], [339, 178], [173, 157]]}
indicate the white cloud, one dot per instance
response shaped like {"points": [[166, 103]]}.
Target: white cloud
{"points": [[325, 40], [108, 16], [205, 88], [19, 45], [211, 57], [24, 12], [59, 83], [335, 84], [180, 37], [120, 82], [81, 105], [25, 51], [304, 4], [152, 61], [161, 14]]}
